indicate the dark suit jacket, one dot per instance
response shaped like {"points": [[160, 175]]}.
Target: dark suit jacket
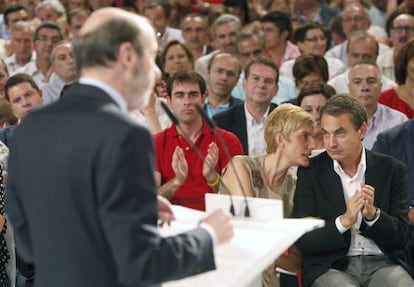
{"points": [[82, 199], [319, 193], [234, 120], [398, 142]]}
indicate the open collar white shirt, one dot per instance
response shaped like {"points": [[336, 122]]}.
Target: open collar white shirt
{"points": [[360, 245], [255, 133]]}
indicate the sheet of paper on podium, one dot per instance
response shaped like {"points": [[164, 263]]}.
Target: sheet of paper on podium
{"points": [[256, 242]]}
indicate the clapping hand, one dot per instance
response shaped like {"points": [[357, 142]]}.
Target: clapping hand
{"points": [[179, 165], [210, 162]]}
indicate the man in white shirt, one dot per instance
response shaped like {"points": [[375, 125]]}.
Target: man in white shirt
{"points": [[224, 31], [63, 66], [400, 28], [354, 18], [250, 44], [247, 120], [310, 39], [21, 43], [362, 196], [361, 47], [46, 36], [365, 86]]}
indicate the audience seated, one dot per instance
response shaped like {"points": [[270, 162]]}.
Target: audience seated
{"points": [[195, 33], [360, 47], [7, 117], [46, 36], [21, 44], [309, 68], [311, 98], [247, 120], [365, 84], [362, 196], [64, 68], [250, 44], [401, 98], [223, 72], [288, 134], [23, 94], [158, 12], [223, 31], [277, 29], [354, 18], [400, 27], [180, 174], [311, 39], [398, 143], [174, 57]]}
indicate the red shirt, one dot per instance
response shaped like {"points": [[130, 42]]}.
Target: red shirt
{"points": [[191, 193], [390, 98]]}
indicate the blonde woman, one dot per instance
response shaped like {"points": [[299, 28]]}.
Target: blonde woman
{"points": [[289, 138]]}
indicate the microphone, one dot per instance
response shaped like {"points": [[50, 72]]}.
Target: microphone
{"points": [[175, 121], [212, 125]]}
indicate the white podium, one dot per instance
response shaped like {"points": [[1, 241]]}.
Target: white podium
{"points": [[240, 262]]}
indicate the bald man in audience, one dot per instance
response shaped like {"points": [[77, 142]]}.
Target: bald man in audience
{"points": [[365, 85], [223, 72], [361, 47]]}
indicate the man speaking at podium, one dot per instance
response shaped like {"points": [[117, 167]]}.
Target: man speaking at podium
{"points": [[81, 191]]}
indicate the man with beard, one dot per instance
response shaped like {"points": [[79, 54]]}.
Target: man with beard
{"points": [[194, 31], [223, 73]]}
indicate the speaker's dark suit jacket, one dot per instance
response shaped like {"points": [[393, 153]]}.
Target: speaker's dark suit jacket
{"points": [[319, 193], [82, 198], [398, 142], [234, 120]]}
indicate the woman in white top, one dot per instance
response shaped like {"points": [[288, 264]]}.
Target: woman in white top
{"points": [[310, 39]]}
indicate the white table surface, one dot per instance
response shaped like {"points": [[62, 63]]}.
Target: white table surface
{"points": [[254, 246]]}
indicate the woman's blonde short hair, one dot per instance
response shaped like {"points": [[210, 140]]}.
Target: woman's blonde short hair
{"points": [[285, 119]]}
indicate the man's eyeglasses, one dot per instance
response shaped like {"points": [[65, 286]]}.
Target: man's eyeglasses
{"points": [[315, 39], [400, 29], [355, 19]]}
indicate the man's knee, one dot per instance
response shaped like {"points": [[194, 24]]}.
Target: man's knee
{"points": [[395, 276], [335, 278]]}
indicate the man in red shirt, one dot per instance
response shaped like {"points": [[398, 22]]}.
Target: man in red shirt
{"points": [[181, 175]]}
